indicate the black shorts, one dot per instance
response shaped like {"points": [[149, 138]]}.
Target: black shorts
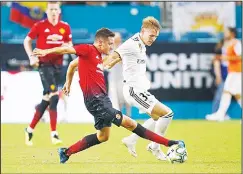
{"points": [[50, 77], [104, 114]]}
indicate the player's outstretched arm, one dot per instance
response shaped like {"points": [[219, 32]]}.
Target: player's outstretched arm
{"points": [[56, 50], [112, 59], [69, 77]]}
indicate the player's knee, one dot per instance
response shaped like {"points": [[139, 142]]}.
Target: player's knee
{"points": [[53, 102], [129, 123], [103, 138]]}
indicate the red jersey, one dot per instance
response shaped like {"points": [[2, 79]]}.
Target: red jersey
{"points": [[90, 69], [50, 36]]}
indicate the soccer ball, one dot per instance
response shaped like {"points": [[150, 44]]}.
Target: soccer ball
{"points": [[177, 154]]}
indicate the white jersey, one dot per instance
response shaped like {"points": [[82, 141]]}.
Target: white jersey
{"points": [[133, 55]]}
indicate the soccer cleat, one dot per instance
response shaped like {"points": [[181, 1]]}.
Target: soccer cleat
{"points": [[28, 138], [56, 140], [214, 117], [227, 117], [62, 155], [157, 152], [181, 144], [130, 146]]}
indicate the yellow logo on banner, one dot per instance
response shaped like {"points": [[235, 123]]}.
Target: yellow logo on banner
{"points": [[61, 30]]}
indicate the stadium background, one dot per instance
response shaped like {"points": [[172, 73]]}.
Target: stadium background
{"points": [[179, 66]]}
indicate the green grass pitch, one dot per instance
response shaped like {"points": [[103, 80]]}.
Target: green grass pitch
{"points": [[212, 148]]}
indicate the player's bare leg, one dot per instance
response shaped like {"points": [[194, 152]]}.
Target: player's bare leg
{"points": [[53, 117], [40, 109]]}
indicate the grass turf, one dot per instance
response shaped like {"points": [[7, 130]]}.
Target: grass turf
{"points": [[212, 148]]}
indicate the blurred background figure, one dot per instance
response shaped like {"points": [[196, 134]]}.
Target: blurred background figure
{"points": [[232, 85], [220, 71], [115, 79]]}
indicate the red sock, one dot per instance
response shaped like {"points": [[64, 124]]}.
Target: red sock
{"points": [[36, 119], [85, 143], [149, 135], [53, 119], [156, 138], [40, 109]]}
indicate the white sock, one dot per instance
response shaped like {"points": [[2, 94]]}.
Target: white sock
{"points": [[161, 126], [30, 130], [53, 133], [224, 104], [149, 124]]}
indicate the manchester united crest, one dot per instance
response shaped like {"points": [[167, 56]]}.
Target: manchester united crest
{"points": [[62, 30]]}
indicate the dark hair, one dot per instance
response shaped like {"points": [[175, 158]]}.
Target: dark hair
{"points": [[104, 33], [233, 30]]}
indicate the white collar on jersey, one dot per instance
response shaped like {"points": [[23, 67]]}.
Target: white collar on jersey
{"points": [[139, 39]]}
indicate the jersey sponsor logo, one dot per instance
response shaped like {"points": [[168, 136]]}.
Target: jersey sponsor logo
{"points": [[140, 61], [54, 42], [62, 30], [54, 39]]}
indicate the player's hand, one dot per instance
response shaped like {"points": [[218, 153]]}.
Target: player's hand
{"points": [[218, 81], [39, 52], [34, 61], [109, 62], [66, 89]]}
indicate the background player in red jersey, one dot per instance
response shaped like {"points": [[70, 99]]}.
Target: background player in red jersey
{"points": [[49, 33], [92, 83]]}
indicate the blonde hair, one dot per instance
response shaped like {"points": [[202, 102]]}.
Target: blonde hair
{"points": [[54, 2], [151, 22]]}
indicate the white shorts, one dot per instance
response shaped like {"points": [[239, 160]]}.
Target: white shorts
{"points": [[233, 83], [141, 99]]}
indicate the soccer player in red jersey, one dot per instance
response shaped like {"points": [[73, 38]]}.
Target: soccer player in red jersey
{"points": [[97, 102], [48, 33]]}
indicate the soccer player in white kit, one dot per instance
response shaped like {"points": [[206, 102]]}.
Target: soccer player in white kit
{"points": [[132, 53]]}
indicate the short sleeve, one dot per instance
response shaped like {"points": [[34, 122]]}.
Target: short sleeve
{"points": [[126, 49], [68, 34], [82, 49], [33, 33], [237, 48]]}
